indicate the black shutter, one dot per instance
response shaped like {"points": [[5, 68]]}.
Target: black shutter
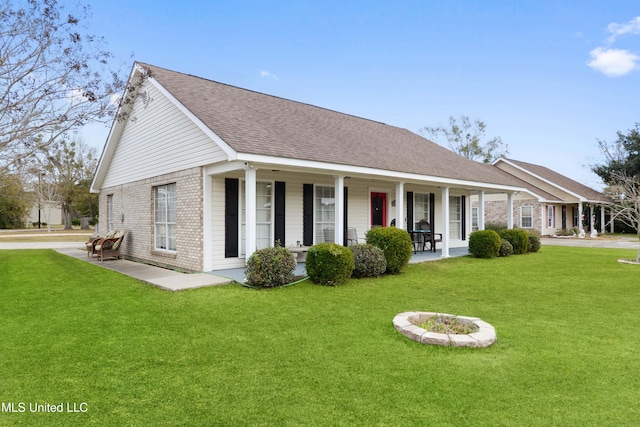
{"points": [[307, 214], [409, 212], [279, 226], [345, 210], [231, 217], [432, 211], [463, 214]]}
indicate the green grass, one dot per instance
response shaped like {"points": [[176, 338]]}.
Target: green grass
{"points": [[567, 350]]}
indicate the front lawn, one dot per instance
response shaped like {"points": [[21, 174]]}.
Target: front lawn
{"points": [[567, 351]]}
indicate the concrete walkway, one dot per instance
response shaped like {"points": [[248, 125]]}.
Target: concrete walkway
{"points": [[162, 277]]}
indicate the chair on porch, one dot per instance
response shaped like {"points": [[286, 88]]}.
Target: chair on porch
{"points": [[352, 237], [93, 241], [329, 235]]}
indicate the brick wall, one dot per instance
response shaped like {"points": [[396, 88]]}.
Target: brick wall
{"points": [[133, 210], [496, 211]]}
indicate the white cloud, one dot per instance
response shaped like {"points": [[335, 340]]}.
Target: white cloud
{"points": [[264, 73], [616, 30], [613, 62]]}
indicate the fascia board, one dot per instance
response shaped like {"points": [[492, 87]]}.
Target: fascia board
{"points": [[553, 184], [339, 169]]}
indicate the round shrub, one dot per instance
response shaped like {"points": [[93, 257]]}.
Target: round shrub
{"points": [[518, 238], [368, 261], [395, 244], [534, 242], [270, 267], [484, 244], [329, 264], [505, 248]]}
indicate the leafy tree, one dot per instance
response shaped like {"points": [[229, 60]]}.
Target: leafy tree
{"points": [[14, 205], [467, 139], [66, 172], [621, 172], [53, 79], [622, 157]]}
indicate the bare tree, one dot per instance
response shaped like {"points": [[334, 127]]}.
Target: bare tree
{"points": [[466, 138], [53, 79], [625, 191]]}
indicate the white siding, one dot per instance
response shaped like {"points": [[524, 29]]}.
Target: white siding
{"points": [[159, 139], [359, 212]]}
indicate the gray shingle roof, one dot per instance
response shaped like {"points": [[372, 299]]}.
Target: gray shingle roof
{"points": [[563, 181], [256, 123]]}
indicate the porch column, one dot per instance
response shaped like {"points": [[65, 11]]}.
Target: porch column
{"points": [[207, 226], [509, 210], [603, 229], [592, 218], [543, 222], [338, 235], [481, 210], [580, 216], [611, 222], [400, 205], [250, 204], [445, 222]]}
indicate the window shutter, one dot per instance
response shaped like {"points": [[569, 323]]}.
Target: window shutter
{"points": [[231, 219], [346, 209], [279, 226], [432, 211], [409, 211], [463, 217], [307, 214]]}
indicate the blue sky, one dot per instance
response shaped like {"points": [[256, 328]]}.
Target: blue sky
{"points": [[549, 77]]}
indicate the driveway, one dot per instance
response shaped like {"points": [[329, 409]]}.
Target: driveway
{"points": [[600, 242]]}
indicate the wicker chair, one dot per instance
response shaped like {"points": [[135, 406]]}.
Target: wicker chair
{"points": [[109, 247], [91, 244]]}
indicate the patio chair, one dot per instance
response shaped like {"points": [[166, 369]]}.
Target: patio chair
{"points": [[329, 235], [91, 244], [352, 237], [109, 247]]}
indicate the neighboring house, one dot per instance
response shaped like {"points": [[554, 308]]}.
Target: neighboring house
{"points": [[51, 213], [202, 174], [550, 203]]}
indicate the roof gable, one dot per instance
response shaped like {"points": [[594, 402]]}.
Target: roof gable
{"points": [[557, 180]]}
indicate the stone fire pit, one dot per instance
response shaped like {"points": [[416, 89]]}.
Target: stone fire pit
{"points": [[406, 324]]}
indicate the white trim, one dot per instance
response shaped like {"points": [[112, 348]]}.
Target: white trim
{"points": [[311, 166]]}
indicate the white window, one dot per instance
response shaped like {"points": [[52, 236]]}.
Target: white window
{"points": [[264, 215], [474, 217], [551, 216], [110, 213], [455, 216], [164, 197], [526, 216], [420, 209], [325, 214]]}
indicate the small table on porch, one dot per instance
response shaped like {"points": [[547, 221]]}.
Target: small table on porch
{"points": [[422, 237]]}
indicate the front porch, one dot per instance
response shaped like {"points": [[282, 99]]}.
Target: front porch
{"points": [[238, 275]]}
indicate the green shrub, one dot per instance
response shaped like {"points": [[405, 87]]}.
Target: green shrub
{"points": [[495, 226], [505, 248], [484, 244], [368, 261], [534, 242], [329, 264], [518, 238], [395, 244], [270, 267], [76, 222]]}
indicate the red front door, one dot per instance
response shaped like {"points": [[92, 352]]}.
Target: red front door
{"points": [[378, 210]]}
